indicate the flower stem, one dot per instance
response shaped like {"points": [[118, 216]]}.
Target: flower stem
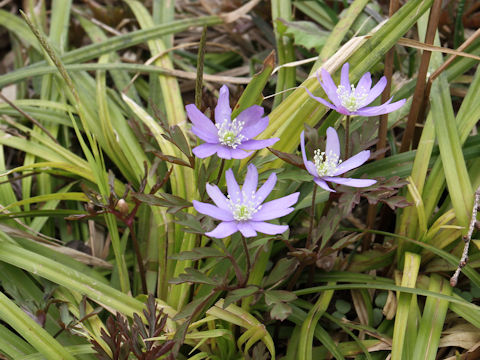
{"points": [[347, 137], [247, 255], [312, 216], [220, 171]]}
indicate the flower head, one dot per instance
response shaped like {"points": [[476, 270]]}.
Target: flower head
{"points": [[242, 210], [350, 100], [327, 166], [228, 138]]}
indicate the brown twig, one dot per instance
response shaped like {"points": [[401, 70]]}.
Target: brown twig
{"points": [[467, 238]]}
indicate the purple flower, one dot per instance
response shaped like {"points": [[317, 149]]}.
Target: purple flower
{"points": [[349, 100], [242, 209], [327, 165], [228, 138]]}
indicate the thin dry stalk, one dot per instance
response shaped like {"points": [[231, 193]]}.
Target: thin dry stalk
{"points": [[467, 238]]}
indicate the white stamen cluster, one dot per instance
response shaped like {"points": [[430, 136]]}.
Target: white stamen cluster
{"points": [[245, 207], [326, 164], [352, 99], [229, 133]]}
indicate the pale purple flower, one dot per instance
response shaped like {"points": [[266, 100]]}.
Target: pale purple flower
{"points": [[350, 100], [228, 138], [327, 166], [242, 210]]}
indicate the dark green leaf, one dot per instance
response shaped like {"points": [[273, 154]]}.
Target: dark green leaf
{"points": [[179, 140], [192, 275], [253, 92], [276, 296], [289, 158], [280, 311], [238, 294], [282, 269], [306, 33], [198, 253], [190, 222]]}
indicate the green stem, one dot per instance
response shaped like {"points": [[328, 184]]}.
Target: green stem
{"points": [[247, 255], [312, 217], [220, 171], [347, 137]]}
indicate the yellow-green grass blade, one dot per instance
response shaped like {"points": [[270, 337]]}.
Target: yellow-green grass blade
{"points": [[236, 315], [298, 316], [404, 307], [75, 196], [432, 321], [339, 32], [466, 119], [18, 27], [169, 85], [455, 169], [36, 336], [73, 350], [308, 328], [120, 78], [52, 270], [12, 345], [384, 286], [120, 42]]}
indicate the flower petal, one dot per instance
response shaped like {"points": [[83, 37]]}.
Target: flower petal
{"points": [[223, 112], [267, 228], [239, 153], [253, 121], [246, 229], [266, 188], [321, 100], [217, 196], [204, 135], [257, 144], [223, 230], [322, 184], [308, 164], [333, 143], [376, 91], [206, 150], [344, 76], [364, 85], [224, 152], [329, 87], [232, 186], [352, 163], [381, 109], [251, 181], [204, 128], [276, 208], [212, 211], [351, 182]]}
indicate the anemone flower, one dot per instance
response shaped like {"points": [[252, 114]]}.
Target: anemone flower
{"points": [[242, 209], [350, 100], [327, 165], [228, 138]]}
